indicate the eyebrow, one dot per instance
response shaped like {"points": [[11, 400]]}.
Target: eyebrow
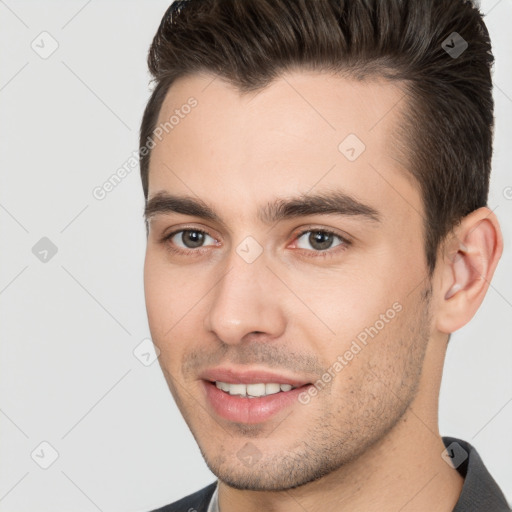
{"points": [[333, 202]]}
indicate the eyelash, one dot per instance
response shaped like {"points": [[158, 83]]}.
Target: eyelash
{"points": [[345, 243]]}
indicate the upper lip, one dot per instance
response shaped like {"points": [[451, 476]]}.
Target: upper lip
{"points": [[249, 376]]}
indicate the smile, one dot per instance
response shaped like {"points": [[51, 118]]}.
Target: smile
{"points": [[253, 390]]}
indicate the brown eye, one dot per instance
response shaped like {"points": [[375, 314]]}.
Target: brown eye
{"points": [[318, 240], [192, 239], [189, 238]]}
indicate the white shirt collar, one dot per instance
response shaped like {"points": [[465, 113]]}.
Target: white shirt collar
{"points": [[214, 502]]}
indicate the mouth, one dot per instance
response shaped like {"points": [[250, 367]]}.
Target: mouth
{"points": [[250, 397]]}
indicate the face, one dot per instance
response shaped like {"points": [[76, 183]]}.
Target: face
{"points": [[290, 255]]}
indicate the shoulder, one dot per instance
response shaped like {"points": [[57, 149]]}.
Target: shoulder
{"points": [[196, 502]]}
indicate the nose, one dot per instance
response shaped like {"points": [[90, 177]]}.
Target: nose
{"points": [[246, 300]]}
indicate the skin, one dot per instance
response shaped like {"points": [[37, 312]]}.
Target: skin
{"points": [[369, 440]]}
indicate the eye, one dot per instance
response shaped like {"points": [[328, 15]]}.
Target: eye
{"points": [[189, 238], [319, 240]]}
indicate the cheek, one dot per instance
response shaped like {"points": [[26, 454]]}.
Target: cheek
{"points": [[165, 299], [168, 290], [347, 304], [364, 312], [155, 285], [174, 309]]}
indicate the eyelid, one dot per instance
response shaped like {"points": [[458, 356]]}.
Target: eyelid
{"points": [[170, 234], [343, 236]]}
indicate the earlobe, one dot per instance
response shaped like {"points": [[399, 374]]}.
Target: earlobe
{"points": [[468, 266]]}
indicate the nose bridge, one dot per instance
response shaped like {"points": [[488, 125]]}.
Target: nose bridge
{"points": [[245, 299]]}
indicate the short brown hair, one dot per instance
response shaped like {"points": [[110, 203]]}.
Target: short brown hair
{"points": [[448, 123]]}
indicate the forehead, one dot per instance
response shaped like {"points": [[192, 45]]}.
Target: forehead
{"points": [[305, 130]]}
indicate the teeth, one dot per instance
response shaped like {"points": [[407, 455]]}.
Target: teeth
{"points": [[271, 389], [237, 389], [256, 389], [223, 386], [253, 390]]}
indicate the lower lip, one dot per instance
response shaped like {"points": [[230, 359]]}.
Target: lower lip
{"points": [[249, 410]]}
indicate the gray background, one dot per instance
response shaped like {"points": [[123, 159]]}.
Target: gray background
{"points": [[70, 324]]}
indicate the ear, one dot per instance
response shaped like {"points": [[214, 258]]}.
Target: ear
{"points": [[469, 259]]}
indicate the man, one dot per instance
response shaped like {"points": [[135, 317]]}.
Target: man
{"points": [[316, 176]]}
